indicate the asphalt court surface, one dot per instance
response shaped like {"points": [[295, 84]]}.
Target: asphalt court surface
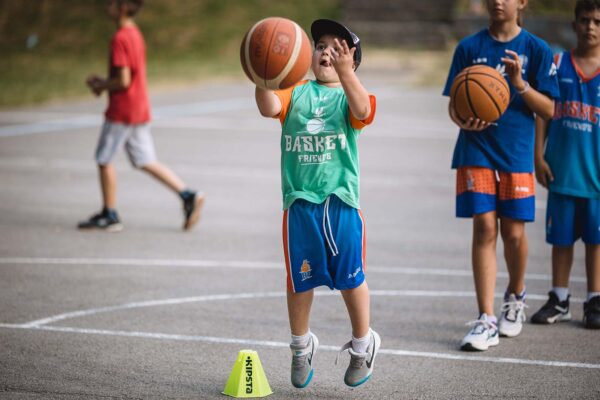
{"points": [[154, 312]]}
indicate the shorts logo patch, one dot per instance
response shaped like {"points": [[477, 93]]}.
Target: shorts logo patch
{"points": [[305, 270], [470, 181], [356, 272]]}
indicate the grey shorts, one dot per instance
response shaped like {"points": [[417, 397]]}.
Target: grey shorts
{"points": [[136, 139]]}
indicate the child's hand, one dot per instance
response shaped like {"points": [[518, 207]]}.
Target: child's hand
{"points": [[342, 57], [472, 124], [514, 69], [543, 173], [95, 83]]}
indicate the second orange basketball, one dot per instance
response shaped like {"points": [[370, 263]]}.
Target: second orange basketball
{"points": [[275, 53], [480, 92]]}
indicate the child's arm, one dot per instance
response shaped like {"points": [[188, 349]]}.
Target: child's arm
{"points": [[543, 173], [120, 82], [539, 103], [268, 103], [358, 98]]}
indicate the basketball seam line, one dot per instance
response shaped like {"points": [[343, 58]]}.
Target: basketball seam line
{"points": [[469, 96], [490, 97], [247, 52], [454, 100], [502, 81], [291, 63], [269, 48]]}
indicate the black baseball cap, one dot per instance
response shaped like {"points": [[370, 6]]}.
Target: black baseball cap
{"points": [[322, 27]]}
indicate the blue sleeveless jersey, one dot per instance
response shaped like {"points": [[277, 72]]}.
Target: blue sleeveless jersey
{"points": [[573, 146], [507, 147]]}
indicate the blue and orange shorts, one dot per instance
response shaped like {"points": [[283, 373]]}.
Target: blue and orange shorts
{"points": [[480, 190], [569, 218], [323, 244]]}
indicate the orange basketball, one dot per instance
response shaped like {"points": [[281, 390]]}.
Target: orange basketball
{"points": [[275, 53], [480, 92]]}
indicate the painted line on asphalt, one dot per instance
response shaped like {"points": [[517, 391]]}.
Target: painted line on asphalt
{"points": [[264, 343], [85, 121], [140, 262], [42, 325], [159, 113], [257, 295]]}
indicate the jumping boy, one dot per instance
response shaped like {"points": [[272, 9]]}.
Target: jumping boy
{"points": [[127, 121], [570, 169], [323, 228]]}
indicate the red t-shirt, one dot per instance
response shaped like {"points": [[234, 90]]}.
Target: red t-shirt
{"points": [[129, 106]]}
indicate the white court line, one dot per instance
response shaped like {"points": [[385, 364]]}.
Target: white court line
{"points": [[265, 343], [138, 262], [258, 295], [159, 113], [41, 325], [84, 121]]}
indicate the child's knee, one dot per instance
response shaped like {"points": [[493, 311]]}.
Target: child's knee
{"points": [[485, 230]]}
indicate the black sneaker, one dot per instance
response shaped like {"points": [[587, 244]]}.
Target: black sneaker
{"points": [[192, 208], [553, 311], [104, 221], [591, 313]]}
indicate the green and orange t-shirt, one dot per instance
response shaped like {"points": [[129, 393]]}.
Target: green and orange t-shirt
{"points": [[319, 149]]}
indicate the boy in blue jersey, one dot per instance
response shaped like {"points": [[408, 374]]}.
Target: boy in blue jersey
{"points": [[494, 163], [323, 227], [570, 169]]}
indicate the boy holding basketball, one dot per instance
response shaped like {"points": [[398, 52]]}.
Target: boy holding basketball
{"points": [[127, 121], [570, 169], [494, 163], [323, 228]]}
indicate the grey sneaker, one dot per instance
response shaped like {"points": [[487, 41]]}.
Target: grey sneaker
{"points": [[361, 364], [302, 357]]}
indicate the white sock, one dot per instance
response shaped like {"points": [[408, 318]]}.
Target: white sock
{"points": [[561, 292], [301, 341], [360, 345], [592, 294]]}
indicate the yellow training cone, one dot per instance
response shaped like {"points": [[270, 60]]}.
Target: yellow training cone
{"points": [[247, 378]]}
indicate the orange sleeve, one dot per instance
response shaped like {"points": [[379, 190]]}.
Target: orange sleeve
{"points": [[360, 124], [285, 96]]}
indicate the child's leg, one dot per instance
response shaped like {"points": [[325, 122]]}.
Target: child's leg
{"points": [[592, 267], [562, 260], [142, 154], [165, 175], [304, 343], [485, 232], [108, 184], [358, 304], [299, 305], [512, 317], [515, 252]]}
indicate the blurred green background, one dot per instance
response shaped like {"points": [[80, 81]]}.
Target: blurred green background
{"points": [[48, 47]]}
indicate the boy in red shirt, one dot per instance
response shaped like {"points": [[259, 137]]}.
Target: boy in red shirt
{"points": [[127, 121]]}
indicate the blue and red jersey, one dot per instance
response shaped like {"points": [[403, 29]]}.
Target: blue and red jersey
{"points": [[573, 146], [507, 147]]}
